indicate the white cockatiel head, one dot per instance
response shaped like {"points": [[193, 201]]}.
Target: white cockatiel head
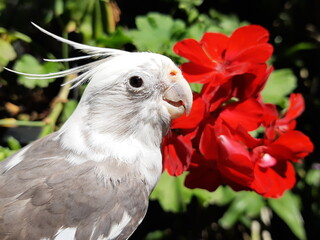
{"points": [[136, 89]]}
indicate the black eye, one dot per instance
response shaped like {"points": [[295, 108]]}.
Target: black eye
{"points": [[136, 81]]}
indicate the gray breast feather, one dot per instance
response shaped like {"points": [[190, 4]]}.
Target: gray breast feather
{"points": [[44, 194]]}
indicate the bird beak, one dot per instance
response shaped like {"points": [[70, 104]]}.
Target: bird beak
{"points": [[178, 97]]}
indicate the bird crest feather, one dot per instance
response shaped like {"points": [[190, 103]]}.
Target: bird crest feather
{"points": [[84, 71]]}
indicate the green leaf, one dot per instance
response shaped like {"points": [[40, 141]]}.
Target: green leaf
{"points": [[5, 152], [171, 193], [115, 40], [78, 12], [58, 7], [28, 64], [7, 53], [12, 36], [280, 83], [2, 5], [245, 205], [18, 35], [196, 87], [288, 209], [189, 6], [156, 235], [157, 33], [221, 197], [13, 143], [174, 196], [313, 177], [196, 30], [68, 109], [223, 23], [302, 46]]}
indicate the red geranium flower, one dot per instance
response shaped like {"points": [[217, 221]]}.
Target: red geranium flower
{"points": [[296, 107], [216, 58], [221, 160], [176, 151], [214, 143], [276, 125], [273, 171], [247, 114]]}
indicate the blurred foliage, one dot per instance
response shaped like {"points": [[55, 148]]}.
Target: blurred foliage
{"points": [[157, 32], [288, 208], [29, 64], [280, 83], [13, 146], [175, 212]]}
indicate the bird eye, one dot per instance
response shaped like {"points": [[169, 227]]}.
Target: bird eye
{"points": [[136, 81]]}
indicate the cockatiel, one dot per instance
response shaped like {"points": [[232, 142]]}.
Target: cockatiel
{"points": [[91, 179]]}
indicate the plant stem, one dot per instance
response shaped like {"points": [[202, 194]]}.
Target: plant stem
{"points": [[110, 18], [56, 110], [11, 122]]}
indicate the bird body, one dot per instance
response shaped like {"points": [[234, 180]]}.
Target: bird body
{"points": [[91, 179]]}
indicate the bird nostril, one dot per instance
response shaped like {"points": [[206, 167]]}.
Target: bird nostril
{"points": [[173, 73]]}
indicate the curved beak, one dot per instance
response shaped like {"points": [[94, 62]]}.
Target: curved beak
{"points": [[178, 98]]}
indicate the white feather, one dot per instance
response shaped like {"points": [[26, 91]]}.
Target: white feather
{"points": [[94, 53], [16, 159], [65, 234], [84, 48], [73, 58], [116, 229]]}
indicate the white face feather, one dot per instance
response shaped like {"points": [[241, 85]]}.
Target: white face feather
{"points": [[114, 106]]}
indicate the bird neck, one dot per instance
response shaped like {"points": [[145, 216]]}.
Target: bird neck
{"points": [[139, 149]]}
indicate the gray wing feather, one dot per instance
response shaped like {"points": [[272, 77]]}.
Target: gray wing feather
{"points": [[44, 193]]}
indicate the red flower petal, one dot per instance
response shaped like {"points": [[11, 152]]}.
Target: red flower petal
{"points": [[208, 143], [295, 109], [292, 145], [204, 175], [247, 114], [251, 83], [204, 178], [176, 152], [245, 37], [254, 54], [215, 45], [243, 136], [235, 162], [214, 95], [270, 114], [234, 68], [195, 117], [274, 181], [192, 50], [197, 73]]}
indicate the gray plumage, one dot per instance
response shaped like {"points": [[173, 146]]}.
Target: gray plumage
{"points": [[43, 194], [91, 179]]}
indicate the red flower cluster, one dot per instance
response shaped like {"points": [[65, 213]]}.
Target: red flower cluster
{"points": [[215, 143]]}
